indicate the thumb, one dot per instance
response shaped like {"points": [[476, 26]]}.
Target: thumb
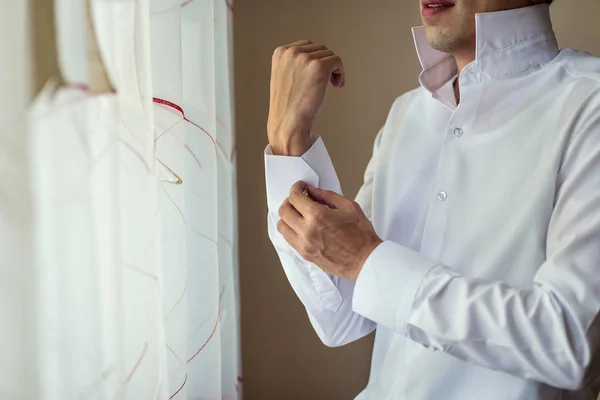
{"points": [[338, 80], [335, 66], [325, 197]]}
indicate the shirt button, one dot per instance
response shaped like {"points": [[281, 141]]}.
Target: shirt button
{"points": [[442, 196], [458, 132]]}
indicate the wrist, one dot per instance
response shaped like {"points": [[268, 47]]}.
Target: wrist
{"points": [[288, 137], [290, 145], [364, 254]]}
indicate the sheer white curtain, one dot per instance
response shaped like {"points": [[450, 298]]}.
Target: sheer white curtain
{"points": [[118, 274]]}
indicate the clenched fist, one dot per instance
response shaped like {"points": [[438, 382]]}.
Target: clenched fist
{"points": [[300, 75]]}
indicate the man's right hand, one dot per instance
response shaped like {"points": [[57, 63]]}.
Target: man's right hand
{"points": [[300, 74]]}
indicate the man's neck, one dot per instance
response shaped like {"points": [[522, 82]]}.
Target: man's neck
{"points": [[456, 91], [463, 58]]}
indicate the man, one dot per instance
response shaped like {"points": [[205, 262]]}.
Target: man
{"points": [[473, 247]]}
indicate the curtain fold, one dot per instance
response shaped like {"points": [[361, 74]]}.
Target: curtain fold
{"points": [[117, 201]]}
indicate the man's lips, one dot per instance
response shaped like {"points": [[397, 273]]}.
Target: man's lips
{"points": [[435, 7]]}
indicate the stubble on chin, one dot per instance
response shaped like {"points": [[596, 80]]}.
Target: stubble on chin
{"points": [[445, 40]]}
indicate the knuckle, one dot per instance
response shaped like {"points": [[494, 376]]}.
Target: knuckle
{"points": [[278, 52], [280, 226], [305, 57], [316, 65], [331, 193], [306, 250], [311, 219], [309, 233], [317, 213], [290, 201], [296, 187], [283, 207], [293, 50], [314, 219], [358, 208]]}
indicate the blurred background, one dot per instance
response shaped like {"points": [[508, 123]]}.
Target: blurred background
{"points": [[281, 355]]}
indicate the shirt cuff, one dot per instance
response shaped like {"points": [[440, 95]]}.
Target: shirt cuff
{"points": [[387, 285], [314, 168]]}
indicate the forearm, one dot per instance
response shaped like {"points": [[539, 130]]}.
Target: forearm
{"points": [[289, 141], [539, 333], [530, 333], [328, 299]]}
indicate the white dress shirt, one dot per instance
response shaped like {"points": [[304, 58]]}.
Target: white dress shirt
{"points": [[487, 286]]}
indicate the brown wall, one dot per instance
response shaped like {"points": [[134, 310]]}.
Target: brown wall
{"points": [[282, 357]]}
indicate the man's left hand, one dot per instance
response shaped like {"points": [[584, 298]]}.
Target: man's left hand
{"points": [[327, 229]]}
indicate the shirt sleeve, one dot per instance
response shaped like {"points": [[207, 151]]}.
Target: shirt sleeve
{"points": [[548, 332], [327, 299]]}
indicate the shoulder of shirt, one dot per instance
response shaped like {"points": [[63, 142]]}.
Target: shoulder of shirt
{"points": [[403, 101], [583, 72], [581, 65]]}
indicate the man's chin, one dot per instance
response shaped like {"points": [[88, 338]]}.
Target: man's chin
{"points": [[435, 35], [440, 40]]}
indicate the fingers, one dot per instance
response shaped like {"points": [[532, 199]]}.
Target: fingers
{"points": [[338, 80], [319, 54], [300, 200], [334, 64], [327, 197], [292, 47], [327, 63], [335, 67], [287, 232], [297, 44], [290, 215], [302, 46], [311, 48]]}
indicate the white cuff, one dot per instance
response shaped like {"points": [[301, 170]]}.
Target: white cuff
{"points": [[313, 167], [387, 285], [318, 159]]}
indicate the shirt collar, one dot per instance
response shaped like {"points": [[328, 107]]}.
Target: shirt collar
{"points": [[508, 44]]}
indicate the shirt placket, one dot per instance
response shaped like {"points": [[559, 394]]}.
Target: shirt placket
{"points": [[441, 197]]}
